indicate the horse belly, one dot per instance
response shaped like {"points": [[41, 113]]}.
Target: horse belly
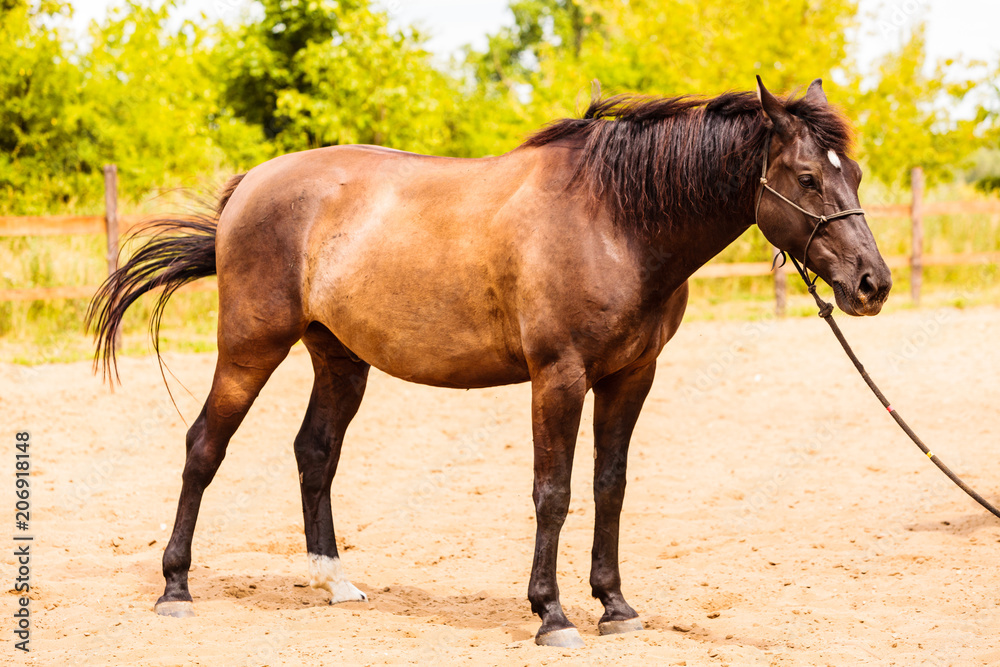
{"points": [[411, 319], [426, 347]]}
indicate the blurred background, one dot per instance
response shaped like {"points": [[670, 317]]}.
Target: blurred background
{"points": [[181, 95]]}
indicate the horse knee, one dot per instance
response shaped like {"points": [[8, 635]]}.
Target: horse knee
{"points": [[312, 480], [312, 450], [551, 505]]}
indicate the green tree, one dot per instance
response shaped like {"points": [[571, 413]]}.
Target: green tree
{"points": [[988, 120], [323, 72], [39, 102], [904, 119], [141, 94], [542, 66], [156, 93]]}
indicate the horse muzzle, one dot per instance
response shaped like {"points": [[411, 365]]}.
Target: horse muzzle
{"points": [[866, 294]]}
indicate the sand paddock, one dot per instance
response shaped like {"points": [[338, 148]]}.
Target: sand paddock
{"points": [[775, 515]]}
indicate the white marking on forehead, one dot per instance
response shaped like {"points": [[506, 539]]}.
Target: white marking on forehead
{"points": [[834, 160]]}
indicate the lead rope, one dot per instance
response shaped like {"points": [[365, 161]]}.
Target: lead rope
{"points": [[826, 312]]}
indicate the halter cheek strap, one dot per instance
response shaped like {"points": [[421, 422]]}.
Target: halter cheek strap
{"points": [[820, 219]]}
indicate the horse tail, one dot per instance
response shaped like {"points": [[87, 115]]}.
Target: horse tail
{"points": [[181, 250]]}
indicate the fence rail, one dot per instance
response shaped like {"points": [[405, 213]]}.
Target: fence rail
{"points": [[64, 225], [115, 226]]}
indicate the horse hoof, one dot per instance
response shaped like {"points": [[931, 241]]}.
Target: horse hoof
{"points": [[619, 627], [175, 609], [345, 591], [565, 638]]}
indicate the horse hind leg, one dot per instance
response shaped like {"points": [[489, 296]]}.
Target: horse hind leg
{"points": [[338, 388], [240, 374]]}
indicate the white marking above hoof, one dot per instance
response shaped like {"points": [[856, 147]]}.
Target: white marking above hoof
{"points": [[619, 627], [565, 638], [327, 573], [175, 609]]}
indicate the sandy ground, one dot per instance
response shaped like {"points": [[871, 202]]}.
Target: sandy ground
{"points": [[775, 515]]}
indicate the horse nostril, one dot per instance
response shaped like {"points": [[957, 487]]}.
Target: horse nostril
{"points": [[867, 287]]}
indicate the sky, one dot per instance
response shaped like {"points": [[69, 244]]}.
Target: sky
{"points": [[955, 27]]}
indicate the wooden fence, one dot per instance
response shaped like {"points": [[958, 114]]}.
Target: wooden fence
{"points": [[114, 227]]}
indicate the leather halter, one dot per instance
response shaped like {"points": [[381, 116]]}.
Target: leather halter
{"points": [[820, 219]]}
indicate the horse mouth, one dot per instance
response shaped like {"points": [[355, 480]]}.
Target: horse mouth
{"points": [[855, 303]]}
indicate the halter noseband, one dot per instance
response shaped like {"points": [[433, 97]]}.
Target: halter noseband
{"points": [[820, 219]]}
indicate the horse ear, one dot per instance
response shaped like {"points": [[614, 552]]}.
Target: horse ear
{"points": [[774, 110], [815, 94], [595, 90]]}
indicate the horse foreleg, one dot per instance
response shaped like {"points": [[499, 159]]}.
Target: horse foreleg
{"points": [[557, 400], [617, 401], [234, 389], [337, 392]]}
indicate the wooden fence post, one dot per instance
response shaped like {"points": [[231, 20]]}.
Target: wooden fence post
{"points": [[780, 287], [111, 227], [917, 242]]}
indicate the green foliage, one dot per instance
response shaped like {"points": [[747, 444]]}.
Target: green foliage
{"points": [[989, 115], [173, 104], [153, 93], [323, 73], [904, 118], [543, 65], [39, 109], [143, 96], [988, 184], [261, 58]]}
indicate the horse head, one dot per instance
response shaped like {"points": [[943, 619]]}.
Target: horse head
{"points": [[808, 199]]}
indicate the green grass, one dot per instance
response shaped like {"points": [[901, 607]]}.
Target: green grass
{"points": [[53, 331]]}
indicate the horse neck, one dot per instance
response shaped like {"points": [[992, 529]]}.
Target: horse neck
{"points": [[676, 251], [700, 230]]}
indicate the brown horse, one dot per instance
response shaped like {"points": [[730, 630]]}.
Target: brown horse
{"points": [[563, 263]]}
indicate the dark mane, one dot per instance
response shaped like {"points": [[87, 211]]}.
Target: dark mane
{"points": [[655, 161]]}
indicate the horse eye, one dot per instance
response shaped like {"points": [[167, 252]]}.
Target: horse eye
{"points": [[807, 181]]}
